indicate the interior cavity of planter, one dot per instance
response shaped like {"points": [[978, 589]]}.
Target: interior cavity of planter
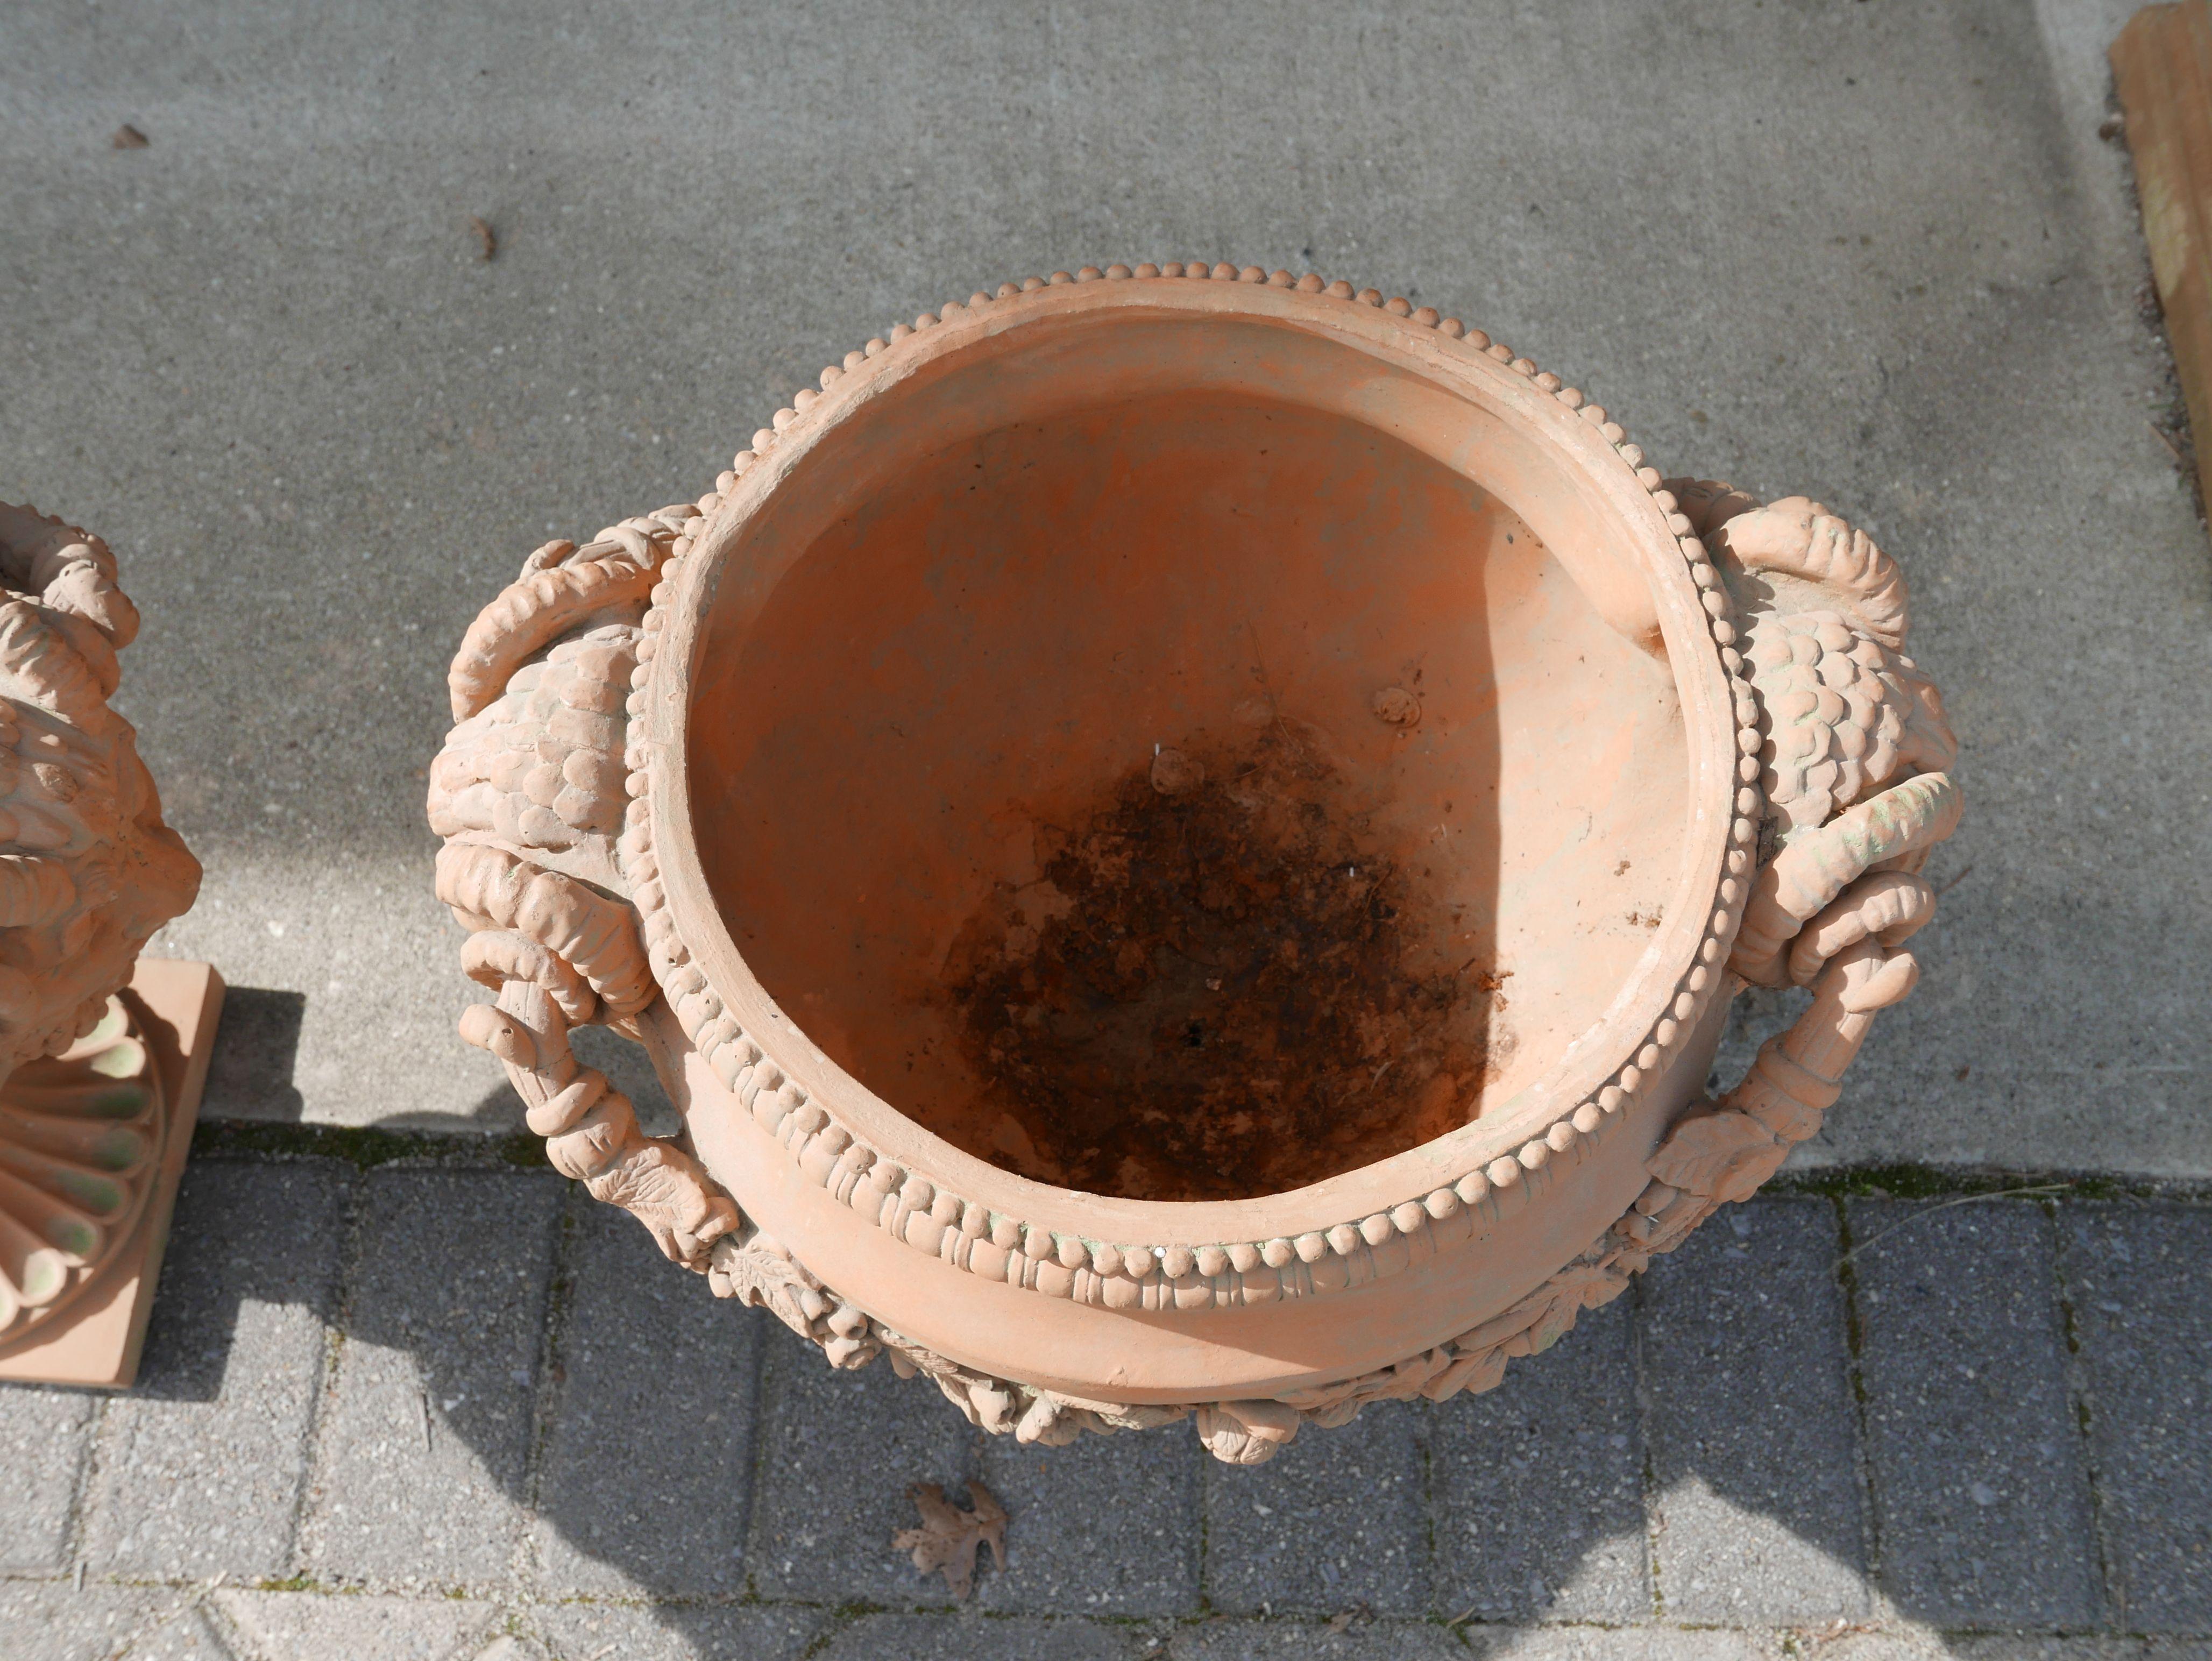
{"points": [[1127, 585]]}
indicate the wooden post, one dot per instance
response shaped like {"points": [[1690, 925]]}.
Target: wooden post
{"points": [[2162, 62]]}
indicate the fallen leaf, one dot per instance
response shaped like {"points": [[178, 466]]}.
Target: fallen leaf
{"points": [[487, 238], [948, 1536], [1338, 1623], [128, 137]]}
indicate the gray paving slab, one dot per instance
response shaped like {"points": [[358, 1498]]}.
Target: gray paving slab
{"points": [[200, 1466], [647, 1466], [43, 1436], [1980, 1480], [2037, 1646], [1232, 1640], [263, 357], [426, 1433], [1907, 1641], [602, 1631], [191, 1634], [53, 1620], [250, 1069], [1537, 1487], [1753, 1430], [975, 1637], [1593, 1643], [1338, 1520], [312, 1625], [1106, 1525], [838, 1453], [2134, 1274]]}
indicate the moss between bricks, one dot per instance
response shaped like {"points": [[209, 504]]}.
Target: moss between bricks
{"points": [[295, 1583]]}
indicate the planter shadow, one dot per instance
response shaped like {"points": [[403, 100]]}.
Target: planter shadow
{"points": [[1695, 1452]]}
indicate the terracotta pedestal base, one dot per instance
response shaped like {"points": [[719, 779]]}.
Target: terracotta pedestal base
{"points": [[96, 1341]]}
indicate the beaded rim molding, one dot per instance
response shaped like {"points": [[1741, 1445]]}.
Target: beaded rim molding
{"points": [[933, 1219]]}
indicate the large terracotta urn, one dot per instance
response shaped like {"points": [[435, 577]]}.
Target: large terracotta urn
{"points": [[1182, 839]]}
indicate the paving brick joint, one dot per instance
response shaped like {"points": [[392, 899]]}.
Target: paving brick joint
{"points": [[435, 1408]]}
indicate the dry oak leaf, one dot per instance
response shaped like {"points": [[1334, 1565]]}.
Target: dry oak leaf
{"points": [[948, 1536]]}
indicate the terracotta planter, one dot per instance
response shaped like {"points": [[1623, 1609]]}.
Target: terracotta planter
{"points": [[1182, 841], [96, 1093]]}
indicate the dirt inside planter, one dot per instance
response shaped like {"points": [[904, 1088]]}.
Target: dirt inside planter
{"points": [[1219, 987], [1404, 752]]}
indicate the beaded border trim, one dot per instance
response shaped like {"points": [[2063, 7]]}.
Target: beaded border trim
{"points": [[969, 1236]]}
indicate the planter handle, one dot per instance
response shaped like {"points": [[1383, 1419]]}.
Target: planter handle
{"points": [[1842, 712], [536, 764]]}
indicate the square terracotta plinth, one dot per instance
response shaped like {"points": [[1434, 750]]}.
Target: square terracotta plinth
{"points": [[96, 1340]]}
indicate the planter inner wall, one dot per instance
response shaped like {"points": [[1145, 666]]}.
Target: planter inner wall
{"points": [[959, 647]]}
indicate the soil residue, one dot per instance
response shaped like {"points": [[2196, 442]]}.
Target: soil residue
{"points": [[1209, 995]]}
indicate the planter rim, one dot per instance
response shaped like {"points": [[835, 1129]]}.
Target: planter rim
{"points": [[833, 1127]]}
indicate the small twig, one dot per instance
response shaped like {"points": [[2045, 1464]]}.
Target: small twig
{"points": [[1954, 881], [1962, 1199], [1344, 1619], [80, 1574], [1268, 686], [487, 238], [422, 1399], [1841, 1629]]}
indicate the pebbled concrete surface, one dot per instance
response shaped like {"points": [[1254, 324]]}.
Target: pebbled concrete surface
{"points": [[202, 1471], [1980, 1485], [1877, 254], [641, 1351], [1753, 1430], [1561, 1441], [1112, 1531], [52, 1621], [1330, 1523], [1776, 1411], [431, 1406], [838, 1452], [2145, 1337], [42, 1441]]}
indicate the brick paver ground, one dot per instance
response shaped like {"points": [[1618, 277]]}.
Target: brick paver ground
{"points": [[457, 1412]]}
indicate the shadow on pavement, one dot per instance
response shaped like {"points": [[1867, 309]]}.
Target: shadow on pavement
{"points": [[524, 1390], [250, 1071]]}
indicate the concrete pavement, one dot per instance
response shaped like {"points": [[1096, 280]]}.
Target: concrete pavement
{"points": [[1875, 253]]}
